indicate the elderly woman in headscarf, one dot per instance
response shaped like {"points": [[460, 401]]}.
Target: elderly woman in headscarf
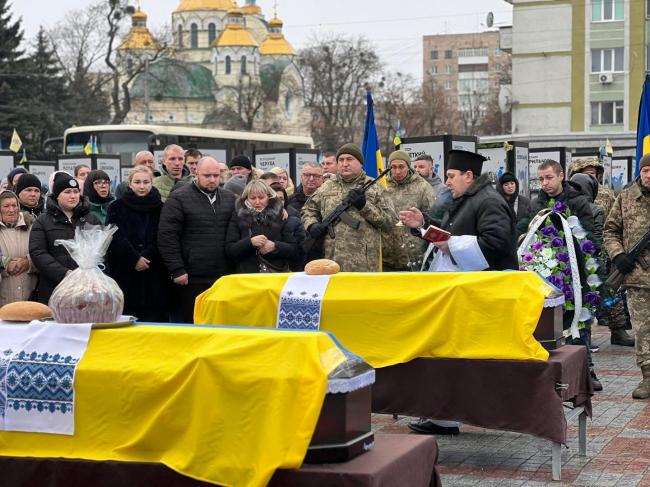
{"points": [[258, 237], [18, 275], [97, 188]]}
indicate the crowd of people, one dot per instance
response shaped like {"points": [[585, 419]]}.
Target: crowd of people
{"points": [[198, 219]]}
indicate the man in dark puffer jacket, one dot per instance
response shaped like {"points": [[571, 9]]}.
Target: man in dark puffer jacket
{"points": [[192, 236]]}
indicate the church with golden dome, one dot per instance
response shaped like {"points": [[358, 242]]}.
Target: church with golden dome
{"points": [[226, 66]]}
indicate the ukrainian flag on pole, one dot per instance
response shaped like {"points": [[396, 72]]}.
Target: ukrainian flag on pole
{"points": [[643, 126], [373, 163]]}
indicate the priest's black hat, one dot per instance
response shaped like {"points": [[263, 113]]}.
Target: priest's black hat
{"points": [[465, 161]]}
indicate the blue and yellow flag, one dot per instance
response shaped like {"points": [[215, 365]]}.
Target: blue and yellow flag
{"points": [[88, 148], [373, 163], [23, 160], [16, 143], [94, 148], [643, 125]]}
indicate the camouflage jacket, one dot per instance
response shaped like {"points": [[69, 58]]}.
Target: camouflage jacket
{"points": [[401, 250], [354, 250], [605, 199], [628, 221], [606, 196]]}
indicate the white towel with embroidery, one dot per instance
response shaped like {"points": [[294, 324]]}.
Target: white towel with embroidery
{"points": [[301, 301], [37, 368]]}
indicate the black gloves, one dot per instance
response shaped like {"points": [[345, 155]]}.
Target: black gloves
{"points": [[317, 230], [356, 198], [624, 263]]}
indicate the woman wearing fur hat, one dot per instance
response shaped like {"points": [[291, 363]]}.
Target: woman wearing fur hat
{"points": [[66, 209], [258, 237]]}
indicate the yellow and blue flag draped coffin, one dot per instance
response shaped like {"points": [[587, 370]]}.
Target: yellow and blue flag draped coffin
{"points": [[223, 405], [392, 318]]}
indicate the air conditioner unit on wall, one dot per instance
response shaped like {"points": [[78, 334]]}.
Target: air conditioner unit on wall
{"points": [[605, 78]]}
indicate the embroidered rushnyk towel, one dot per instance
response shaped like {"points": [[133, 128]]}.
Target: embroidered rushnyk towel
{"points": [[37, 368], [301, 301]]}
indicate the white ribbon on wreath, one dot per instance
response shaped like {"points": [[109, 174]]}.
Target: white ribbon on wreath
{"points": [[537, 222]]}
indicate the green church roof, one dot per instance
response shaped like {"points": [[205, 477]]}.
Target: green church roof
{"points": [[173, 79]]}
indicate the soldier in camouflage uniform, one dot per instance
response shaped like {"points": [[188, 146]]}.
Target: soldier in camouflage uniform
{"points": [[628, 221], [611, 311], [355, 250], [402, 251]]}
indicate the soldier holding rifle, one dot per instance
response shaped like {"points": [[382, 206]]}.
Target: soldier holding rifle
{"points": [[626, 226], [354, 243]]}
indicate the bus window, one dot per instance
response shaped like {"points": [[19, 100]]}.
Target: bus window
{"points": [[127, 144]]}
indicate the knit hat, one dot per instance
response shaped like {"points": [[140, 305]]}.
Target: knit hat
{"points": [[14, 171], [644, 161], [240, 161], [463, 160], [351, 149], [63, 181], [27, 181], [236, 184], [507, 177], [400, 155]]}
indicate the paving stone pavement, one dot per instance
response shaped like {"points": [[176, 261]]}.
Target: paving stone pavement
{"points": [[618, 438]]}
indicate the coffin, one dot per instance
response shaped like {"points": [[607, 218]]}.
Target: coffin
{"points": [[343, 430], [549, 331]]}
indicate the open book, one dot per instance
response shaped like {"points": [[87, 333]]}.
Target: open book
{"points": [[435, 234]]}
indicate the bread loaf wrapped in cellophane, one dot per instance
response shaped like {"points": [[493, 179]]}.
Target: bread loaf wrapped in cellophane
{"points": [[87, 295]]}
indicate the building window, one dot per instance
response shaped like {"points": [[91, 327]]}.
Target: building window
{"points": [[647, 9], [194, 36], [212, 33], [647, 56], [287, 102], [497, 51], [449, 54], [243, 65], [180, 37], [227, 64], [607, 113], [473, 51], [434, 69], [448, 100], [448, 85], [448, 69], [607, 60], [434, 54], [497, 67], [607, 10], [471, 85]]}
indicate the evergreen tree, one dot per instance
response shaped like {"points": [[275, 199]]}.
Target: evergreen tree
{"points": [[48, 113], [11, 73]]}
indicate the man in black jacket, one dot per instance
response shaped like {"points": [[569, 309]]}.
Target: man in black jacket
{"points": [[192, 236]]}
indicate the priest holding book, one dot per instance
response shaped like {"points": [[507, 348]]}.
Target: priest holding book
{"points": [[480, 223], [478, 233]]}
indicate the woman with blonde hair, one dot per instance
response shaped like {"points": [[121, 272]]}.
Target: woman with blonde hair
{"points": [[135, 262], [284, 179], [18, 274], [259, 238]]}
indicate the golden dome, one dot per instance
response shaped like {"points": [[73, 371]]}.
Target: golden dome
{"points": [[139, 36], [187, 5], [251, 9], [275, 44], [235, 34]]}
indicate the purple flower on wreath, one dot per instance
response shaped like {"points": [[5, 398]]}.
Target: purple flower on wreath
{"points": [[559, 207], [549, 231], [564, 257], [556, 281], [538, 245], [528, 257], [557, 242], [568, 292], [588, 247], [592, 298]]}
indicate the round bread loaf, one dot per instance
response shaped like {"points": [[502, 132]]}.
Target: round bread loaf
{"points": [[321, 267], [24, 311]]}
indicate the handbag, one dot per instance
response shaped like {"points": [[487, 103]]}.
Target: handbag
{"points": [[268, 267]]}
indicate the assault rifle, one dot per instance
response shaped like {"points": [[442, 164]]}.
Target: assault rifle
{"points": [[615, 279], [340, 213]]}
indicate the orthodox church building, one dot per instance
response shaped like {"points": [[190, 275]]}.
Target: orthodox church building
{"points": [[227, 67]]}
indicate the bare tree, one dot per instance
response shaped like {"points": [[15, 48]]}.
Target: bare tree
{"points": [[335, 69], [396, 103], [436, 115]]}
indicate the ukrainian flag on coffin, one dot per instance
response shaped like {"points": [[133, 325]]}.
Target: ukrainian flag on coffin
{"points": [[643, 126]]}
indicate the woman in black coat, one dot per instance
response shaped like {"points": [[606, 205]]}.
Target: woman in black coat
{"points": [[258, 234], [297, 262], [66, 209], [136, 264]]}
